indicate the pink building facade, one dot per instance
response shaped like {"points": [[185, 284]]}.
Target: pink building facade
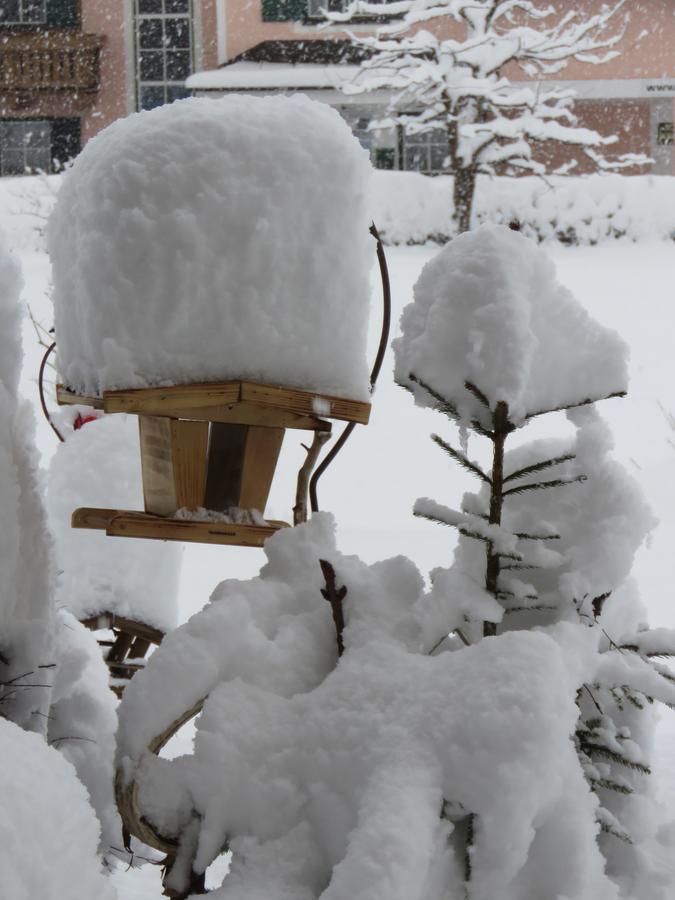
{"points": [[70, 67]]}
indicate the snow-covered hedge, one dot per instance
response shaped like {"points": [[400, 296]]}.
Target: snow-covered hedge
{"points": [[410, 208]]}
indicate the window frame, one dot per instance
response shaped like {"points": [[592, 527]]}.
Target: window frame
{"points": [[164, 87]]}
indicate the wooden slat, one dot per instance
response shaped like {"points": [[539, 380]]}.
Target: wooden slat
{"points": [[95, 518], [159, 491], [305, 402], [249, 414], [175, 400], [260, 461], [191, 531], [169, 401], [139, 630], [129, 523], [64, 397], [189, 444], [225, 465]]}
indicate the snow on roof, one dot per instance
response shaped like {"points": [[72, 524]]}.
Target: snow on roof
{"points": [[268, 75]]}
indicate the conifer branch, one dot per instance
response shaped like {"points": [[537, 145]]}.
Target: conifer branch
{"points": [[544, 485], [519, 565], [448, 408], [478, 394], [621, 835], [609, 785], [536, 537], [537, 467], [587, 402], [600, 750], [517, 609], [463, 460]]}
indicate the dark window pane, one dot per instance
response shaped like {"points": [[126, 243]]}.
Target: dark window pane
{"points": [[149, 6], [9, 10], [177, 65], [13, 135], [385, 158], [415, 159], [65, 140], [33, 10], [151, 97], [37, 134], [150, 34], [38, 159], [13, 162], [152, 66], [177, 33], [62, 13], [438, 155], [176, 93], [177, 6]]}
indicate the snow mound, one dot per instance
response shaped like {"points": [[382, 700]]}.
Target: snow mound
{"points": [[215, 239], [357, 780], [98, 465], [488, 311], [48, 831]]}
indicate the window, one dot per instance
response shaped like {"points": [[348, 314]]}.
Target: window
{"points": [[37, 145], [425, 152], [164, 50], [25, 147], [23, 12], [315, 7], [664, 134]]}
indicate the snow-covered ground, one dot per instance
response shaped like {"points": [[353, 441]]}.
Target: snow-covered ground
{"points": [[373, 483]]}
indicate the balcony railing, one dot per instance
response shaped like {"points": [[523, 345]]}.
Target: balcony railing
{"points": [[49, 61]]}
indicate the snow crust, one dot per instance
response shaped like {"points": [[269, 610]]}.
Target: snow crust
{"points": [[488, 310], [356, 780], [99, 465], [209, 240], [48, 831]]}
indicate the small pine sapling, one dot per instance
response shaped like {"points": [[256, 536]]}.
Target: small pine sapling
{"points": [[493, 342]]}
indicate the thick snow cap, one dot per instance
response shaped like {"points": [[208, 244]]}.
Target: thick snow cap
{"points": [[211, 240], [488, 310]]}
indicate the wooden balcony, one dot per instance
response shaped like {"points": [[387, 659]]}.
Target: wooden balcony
{"points": [[49, 61]]}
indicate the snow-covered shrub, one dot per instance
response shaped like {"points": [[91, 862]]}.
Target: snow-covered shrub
{"points": [[355, 781], [492, 341], [26, 606], [215, 239], [410, 208], [48, 831], [98, 465], [51, 680]]}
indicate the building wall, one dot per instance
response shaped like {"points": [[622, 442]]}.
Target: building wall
{"points": [[632, 95]]}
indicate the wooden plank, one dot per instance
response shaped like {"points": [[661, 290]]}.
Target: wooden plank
{"points": [[156, 528], [139, 630], [94, 517], [306, 402], [260, 460], [169, 401], [251, 414], [225, 466], [189, 445], [64, 397], [159, 491], [174, 400]]}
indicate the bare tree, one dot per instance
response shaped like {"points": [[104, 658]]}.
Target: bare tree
{"points": [[461, 83]]}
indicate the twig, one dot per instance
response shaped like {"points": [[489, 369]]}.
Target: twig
{"points": [[335, 596], [300, 508]]}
